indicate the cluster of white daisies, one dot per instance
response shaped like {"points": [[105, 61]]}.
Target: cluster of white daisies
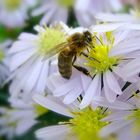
{"points": [[104, 105]]}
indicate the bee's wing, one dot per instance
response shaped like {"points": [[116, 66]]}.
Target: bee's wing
{"points": [[56, 49]]}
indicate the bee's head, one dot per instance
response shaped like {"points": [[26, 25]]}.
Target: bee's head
{"points": [[88, 36]]}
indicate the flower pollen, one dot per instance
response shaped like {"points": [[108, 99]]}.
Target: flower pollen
{"points": [[98, 58], [86, 124], [1, 55], [49, 38], [12, 4], [66, 3], [136, 115], [40, 110]]}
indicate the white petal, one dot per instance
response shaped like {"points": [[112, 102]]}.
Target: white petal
{"points": [[106, 27], [28, 37], [41, 84], [21, 58], [53, 132], [40, 10], [124, 49], [72, 95], [24, 125], [116, 17], [34, 75], [114, 127], [112, 83], [109, 94], [67, 87], [92, 90], [54, 81], [47, 17], [19, 46], [132, 68], [51, 105], [101, 101], [116, 116], [86, 80]]}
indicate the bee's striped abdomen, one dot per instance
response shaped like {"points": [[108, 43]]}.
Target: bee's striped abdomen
{"points": [[65, 64]]}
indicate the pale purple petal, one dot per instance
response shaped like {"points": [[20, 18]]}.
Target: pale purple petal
{"points": [[132, 68], [112, 82], [92, 90], [117, 116], [51, 105], [114, 127], [101, 101], [53, 132]]}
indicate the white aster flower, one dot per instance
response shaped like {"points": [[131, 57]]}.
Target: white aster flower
{"points": [[108, 17], [19, 118], [14, 13], [132, 69], [132, 17], [28, 64], [4, 61], [111, 52], [81, 124], [69, 89], [84, 10], [53, 10], [16, 121], [29, 67], [130, 2], [124, 123]]}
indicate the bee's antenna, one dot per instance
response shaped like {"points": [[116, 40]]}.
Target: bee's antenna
{"points": [[88, 44], [98, 39], [91, 58]]}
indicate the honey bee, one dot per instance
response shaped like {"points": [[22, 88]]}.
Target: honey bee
{"points": [[69, 50]]}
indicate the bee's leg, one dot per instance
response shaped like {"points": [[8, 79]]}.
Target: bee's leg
{"points": [[84, 54], [83, 70], [91, 58], [89, 45], [74, 59], [88, 50]]}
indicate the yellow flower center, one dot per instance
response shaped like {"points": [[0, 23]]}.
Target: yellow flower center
{"points": [[6, 115], [12, 4], [1, 55], [40, 110], [66, 3], [49, 39], [136, 115], [98, 59], [86, 124], [136, 13]]}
